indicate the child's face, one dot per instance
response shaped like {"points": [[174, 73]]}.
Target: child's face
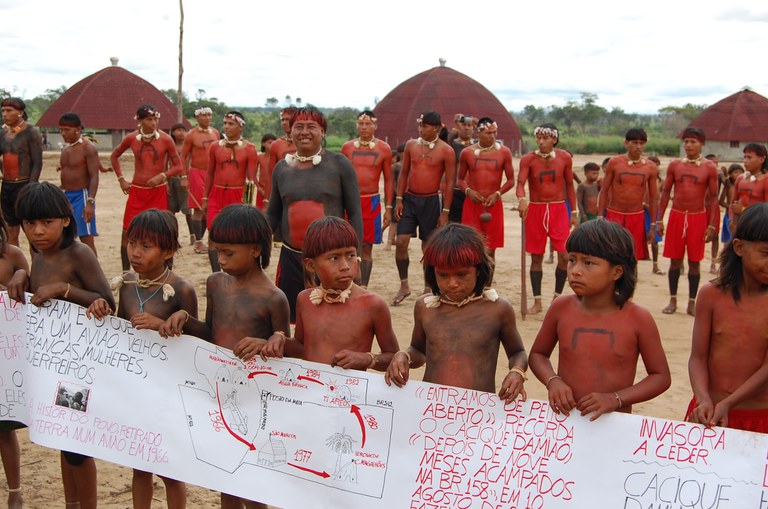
{"points": [[147, 258], [45, 234], [335, 269], [456, 283], [591, 175], [237, 259], [589, 275], [754, 260]]}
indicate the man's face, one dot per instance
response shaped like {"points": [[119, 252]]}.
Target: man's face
{"points": [[11, 115], [487, 136], [692, 147], [69, 134], [465, 130], [307, 135], [365, 128], [148, 124], [635, 148], [753, 162], [428, 132], [546, 143], [204, 120], [232, 128], [179, 133], [285, 123]]}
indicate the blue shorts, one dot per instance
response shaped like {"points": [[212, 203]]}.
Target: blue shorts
{"points": [[78, 200], [647, 215], [725, 235]]}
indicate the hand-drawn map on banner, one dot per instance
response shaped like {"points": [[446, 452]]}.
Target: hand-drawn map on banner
{"points": [[297, 434]]}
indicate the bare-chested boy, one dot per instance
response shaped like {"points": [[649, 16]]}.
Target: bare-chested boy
{"points": [[262, 172], [587, 193], [429, 166], [692, 218], [459, 328], [627, 179], [21, 149], [371, 158], [734, 171], [151, 147], [549, 174], [722, 176], [481, 168], [243, 305], [194, 157], [752, 187], [307, 185], [79, 164], [330, 253], [231, 163], [464, 127]]}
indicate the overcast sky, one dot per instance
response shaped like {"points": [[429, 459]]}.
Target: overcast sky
{"points": [[638, 56]]}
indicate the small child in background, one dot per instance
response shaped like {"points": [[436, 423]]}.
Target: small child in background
{"points": [[337, 321], [652, 236], [726, 198], [147, 297], [458, 329], [587, 191], [11, 260], [599, 332], [243, 305], [728, 366], [62, 268]]}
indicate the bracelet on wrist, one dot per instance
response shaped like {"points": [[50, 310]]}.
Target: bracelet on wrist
{"points": [[621, 403], [446, 210], [92, 201], [550, 380], [373, 360], [406, 354], [519, 372]]}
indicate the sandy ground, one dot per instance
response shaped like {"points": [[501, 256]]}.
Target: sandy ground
{"points": [[40, 466]]}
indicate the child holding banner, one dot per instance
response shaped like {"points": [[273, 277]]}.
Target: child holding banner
{"points": [[330, 253], [599, 332], [458, 329], [728, 366], [147, 297], [62, 268], [243, 305], [11, 260]]}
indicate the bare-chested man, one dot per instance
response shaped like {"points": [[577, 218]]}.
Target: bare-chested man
{"points": [[151, 147], [429, 166], [281, 146], [194, 157], [21, 148], [79, 164], [371, 158], [231, 163], [752, 186], [692, 218], [309, 184], [734, 171], [262, 172], [465, 126], [481, 167], [549, 174], [627, 179]]}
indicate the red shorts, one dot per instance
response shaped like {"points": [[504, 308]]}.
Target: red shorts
{"points": [[685, 231], [748, 420], [634, 223], [144, 198], [371, 206], [196, 187], [219, 198], [493, 230], [546, 220]]}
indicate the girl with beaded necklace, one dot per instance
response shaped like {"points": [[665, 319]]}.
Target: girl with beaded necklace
{"points": [[147, 297]]}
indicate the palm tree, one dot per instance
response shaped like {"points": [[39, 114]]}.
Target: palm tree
{"points": [[340, 443]]}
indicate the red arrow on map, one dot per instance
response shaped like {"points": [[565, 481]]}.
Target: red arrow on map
{"points": [[302, 377], [254, 373], [356, 410], [322, 474], [221, 412]]}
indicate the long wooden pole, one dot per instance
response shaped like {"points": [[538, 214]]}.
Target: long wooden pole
{"points": [[179, 96]]}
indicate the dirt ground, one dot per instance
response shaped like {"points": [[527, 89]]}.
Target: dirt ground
{"points": [[40, 466]]}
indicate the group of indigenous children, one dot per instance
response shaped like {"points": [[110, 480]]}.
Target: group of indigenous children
{"points": [[458, 327]]}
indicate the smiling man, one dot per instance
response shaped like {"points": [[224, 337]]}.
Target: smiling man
{"points": [[307, 185]]}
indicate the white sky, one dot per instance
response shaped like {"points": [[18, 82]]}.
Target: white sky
{"points": [[638, 56]]}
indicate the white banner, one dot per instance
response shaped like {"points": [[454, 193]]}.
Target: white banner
{"points": [[297, 434]]}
